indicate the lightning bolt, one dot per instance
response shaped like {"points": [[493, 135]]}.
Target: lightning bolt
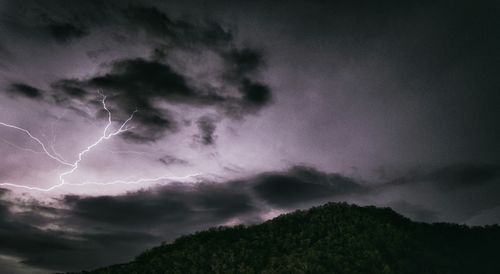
{"points": [[74, 166]]}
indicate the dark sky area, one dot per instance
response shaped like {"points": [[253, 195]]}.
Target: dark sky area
{"points": [[124, 124]]}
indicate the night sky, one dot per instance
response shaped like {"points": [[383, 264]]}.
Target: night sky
{"points": [[124, 124]]}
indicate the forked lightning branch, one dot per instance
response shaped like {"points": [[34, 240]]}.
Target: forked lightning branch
{"points": [[72, 167]]}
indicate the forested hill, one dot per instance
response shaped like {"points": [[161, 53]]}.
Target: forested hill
{"points": [[333, 238]]}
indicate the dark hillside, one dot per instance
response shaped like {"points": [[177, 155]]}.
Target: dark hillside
{"points": [[333, 238]]}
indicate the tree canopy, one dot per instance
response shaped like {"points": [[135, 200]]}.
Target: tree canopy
{"points": [[333, 238]]}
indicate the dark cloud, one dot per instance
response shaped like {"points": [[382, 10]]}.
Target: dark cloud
{"points": [[302, 185], [139, 79], [255, 94], [175, 204], [150, 124], [65, 32], [138, 209], [144, 83], [243, 62], [20, 89], [56, 248], [169, 160], [241, 65], [139, 82], [135, 84], [206, 126]]}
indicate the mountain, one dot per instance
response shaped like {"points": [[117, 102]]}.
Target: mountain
{"points": [[333, 238]]}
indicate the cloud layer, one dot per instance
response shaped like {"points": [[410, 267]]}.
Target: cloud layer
{"points": [[166, 73]]}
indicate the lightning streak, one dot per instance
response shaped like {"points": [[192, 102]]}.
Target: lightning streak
{"points": [[39, 142], [74, 166]]}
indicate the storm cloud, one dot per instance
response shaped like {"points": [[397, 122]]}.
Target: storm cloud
{"points": [[143, 82], [206, 126], [19, 89]]}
